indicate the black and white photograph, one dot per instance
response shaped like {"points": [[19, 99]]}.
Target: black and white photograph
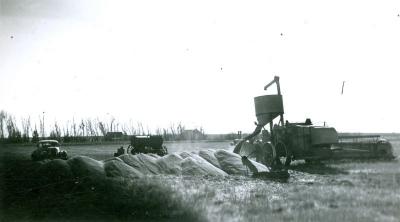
{"points": [[200, 111]]}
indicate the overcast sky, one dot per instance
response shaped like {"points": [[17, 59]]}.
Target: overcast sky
{"points": [[202, 62]]}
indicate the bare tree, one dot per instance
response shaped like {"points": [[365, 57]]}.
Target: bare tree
{"points": [[14, 135], [82, 128], [35, 135], [148, 130], [140, 128], [111, 124], [90, 129], [95, 127], [158, 131], [203, 134], [78, 130], [57, 129], [41, 126], [180, 128], [102, 128], [173, 131], [131, 129], [56, 132], [124, 129], [10, 126], [26, 127], [167, 134], [66, 129], [74, 130], [202, 131], [3, 117]]}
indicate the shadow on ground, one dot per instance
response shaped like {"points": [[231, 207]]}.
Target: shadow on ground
{"points": [[317, 168]]}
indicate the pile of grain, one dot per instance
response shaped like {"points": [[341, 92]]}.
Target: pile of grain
{"points": [[219, 163]]}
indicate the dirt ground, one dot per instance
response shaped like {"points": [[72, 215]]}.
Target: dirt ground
{"points": [[350, 190]]}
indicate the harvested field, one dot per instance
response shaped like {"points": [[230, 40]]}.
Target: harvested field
{"points": [[200, 187]]}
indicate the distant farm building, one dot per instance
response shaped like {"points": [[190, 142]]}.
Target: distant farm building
{"points": [[114, 136], [194, 134]]}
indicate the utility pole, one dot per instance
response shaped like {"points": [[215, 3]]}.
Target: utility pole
{"points": [[343, 86]]}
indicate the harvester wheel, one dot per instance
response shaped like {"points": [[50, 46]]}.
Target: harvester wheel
{"points": [[283, 154], [267, 155]]}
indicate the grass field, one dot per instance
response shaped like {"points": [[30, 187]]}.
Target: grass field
{"points": [[332, 191]]}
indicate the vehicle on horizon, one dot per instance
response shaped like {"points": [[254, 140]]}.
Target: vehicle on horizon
{"points": [[147, 144], [144, 144], [48, 149]]}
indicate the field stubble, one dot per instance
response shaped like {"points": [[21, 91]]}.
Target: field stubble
{"points": [[333, 191], [350, 190]]}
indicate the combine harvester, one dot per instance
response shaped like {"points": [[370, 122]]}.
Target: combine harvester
{"points": [[287, 141]]}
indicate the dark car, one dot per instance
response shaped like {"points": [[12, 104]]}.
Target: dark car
{"points": [[48, 149]]}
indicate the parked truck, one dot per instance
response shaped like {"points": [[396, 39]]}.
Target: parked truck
{"points": [[144, 144]]}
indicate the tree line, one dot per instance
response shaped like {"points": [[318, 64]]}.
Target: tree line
{"points": [[83, 130]]}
